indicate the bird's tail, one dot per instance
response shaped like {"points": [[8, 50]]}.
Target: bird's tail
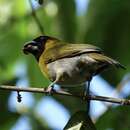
{"points": [[105, 59]]}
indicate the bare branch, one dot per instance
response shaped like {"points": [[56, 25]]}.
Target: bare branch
{"points": [[90, 97]]}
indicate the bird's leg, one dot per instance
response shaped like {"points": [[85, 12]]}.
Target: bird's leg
{"points": [[87, 92], [50, 88]]}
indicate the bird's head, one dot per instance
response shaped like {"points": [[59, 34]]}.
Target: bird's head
{"points": [[36, 46]]}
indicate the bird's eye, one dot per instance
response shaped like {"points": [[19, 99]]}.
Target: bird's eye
{"points": [[28, 46]]}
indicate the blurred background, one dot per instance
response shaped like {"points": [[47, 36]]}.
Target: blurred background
{"points": [[102, 23]]}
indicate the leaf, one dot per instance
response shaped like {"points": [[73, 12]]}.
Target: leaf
{"points": [[115, 118], [80, 121]]}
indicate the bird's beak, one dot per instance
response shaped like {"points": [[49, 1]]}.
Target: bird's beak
{"points": [[30, 47], [27, 47]]}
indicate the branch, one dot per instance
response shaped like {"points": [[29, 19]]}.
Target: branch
{"points": [[43, 90], [36, 18]]}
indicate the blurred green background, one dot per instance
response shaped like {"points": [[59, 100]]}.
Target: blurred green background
{"points": [[102, 23]]}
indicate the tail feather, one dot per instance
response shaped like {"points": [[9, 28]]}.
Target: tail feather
{"points": [[118, 65], [104, 59]]}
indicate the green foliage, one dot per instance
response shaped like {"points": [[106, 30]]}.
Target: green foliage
{"points": [[7, 117], [67, 19], [105, 24], [115, 119], [80, 121]]}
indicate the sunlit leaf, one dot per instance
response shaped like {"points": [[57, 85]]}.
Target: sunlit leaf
{"points": [[80, 121]]}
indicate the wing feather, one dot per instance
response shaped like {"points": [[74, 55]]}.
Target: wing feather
{"points": [[63, 50]]}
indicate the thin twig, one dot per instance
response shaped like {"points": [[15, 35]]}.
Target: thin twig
{"points": [[118, 89], [36, 18], [90, 97]]}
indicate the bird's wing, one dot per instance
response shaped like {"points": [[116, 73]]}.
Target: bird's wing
{"points": [[69, 50]]}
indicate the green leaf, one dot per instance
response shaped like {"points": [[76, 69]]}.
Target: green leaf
{"points": [[115, 118], [80, 121]]}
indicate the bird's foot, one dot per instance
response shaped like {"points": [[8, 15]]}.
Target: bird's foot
{"points": [[50, 90]]}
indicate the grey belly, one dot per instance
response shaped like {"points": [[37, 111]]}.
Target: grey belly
{"points": [[74, 71]]}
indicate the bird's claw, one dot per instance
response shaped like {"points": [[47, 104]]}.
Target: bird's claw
{"points": [[50, 90]]}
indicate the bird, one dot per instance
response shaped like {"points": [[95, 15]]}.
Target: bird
{"points": [[68, 64]]}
